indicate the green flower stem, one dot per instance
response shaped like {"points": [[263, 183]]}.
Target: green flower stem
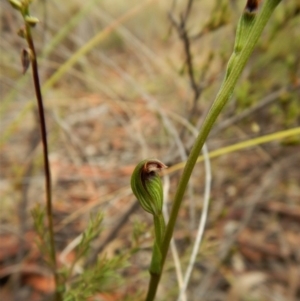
{"points": [[220, 101], [159, 227]]}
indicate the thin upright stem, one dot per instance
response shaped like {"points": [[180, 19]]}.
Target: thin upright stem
{"points": [[43, 131]]}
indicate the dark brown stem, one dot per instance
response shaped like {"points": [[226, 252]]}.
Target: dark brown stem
{"points": [[188, 10], [43, 131]]}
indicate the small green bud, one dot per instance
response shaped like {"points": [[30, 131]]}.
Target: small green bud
{"points": [[146, 185], [16, 4], [32, 21]]}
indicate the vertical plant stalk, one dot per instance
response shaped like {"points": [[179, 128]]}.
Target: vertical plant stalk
{"points": [[29, 56], [48, 188], [220, 101]]}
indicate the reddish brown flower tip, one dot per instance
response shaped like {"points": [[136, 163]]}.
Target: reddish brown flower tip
{"points": [[154, 166], [252, 6]]}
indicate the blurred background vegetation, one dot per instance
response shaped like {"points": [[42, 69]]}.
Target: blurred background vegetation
{"points": [[116, 81]]}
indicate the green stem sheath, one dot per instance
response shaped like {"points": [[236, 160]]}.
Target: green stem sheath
{"points": [[213, 113], [220, 101]]}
